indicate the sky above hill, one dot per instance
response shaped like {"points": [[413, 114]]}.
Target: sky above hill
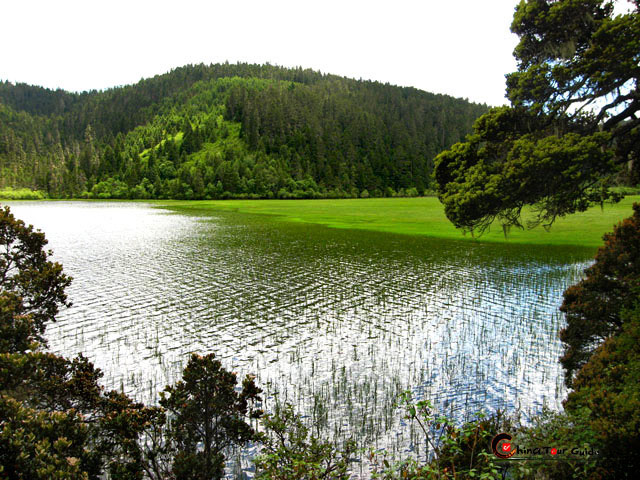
{"points": [[459, 47]]}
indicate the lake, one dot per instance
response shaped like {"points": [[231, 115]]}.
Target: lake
{"points": [[337, 322]]}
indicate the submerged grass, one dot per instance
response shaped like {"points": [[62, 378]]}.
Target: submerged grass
{"points": [[336, 322], [418, 216]]}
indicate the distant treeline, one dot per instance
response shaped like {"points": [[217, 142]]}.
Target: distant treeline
{"points": [[223, 131]]}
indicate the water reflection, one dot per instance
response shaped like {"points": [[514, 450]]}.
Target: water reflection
{"points": [[335, 321]]}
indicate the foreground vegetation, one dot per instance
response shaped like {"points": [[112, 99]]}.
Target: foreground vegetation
{"points": [[419, 216], [57, 421]]}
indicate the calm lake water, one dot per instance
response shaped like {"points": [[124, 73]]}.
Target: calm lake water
{"points": [[335, 321]]}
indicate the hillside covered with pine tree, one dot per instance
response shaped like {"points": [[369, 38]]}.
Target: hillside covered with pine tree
{"points": [[228, 131]]}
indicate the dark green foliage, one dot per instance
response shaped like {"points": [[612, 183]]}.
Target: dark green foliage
{"points": [[603, 339], [607, 394], [564, 431], [594, 305], [514, 159], [28, 274], [39, 445], [207, 416], [103, 428], [123, 437], [109, 432], [255, 131], [572, 128], [460, 452], [17, 331], [36, 284], [602, 413], [291, 452]]}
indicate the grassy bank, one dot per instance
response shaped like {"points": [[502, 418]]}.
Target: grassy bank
{"points": [[418, 216]]}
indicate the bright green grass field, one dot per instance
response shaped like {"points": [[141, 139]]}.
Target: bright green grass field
{"points": [[419, 216]]}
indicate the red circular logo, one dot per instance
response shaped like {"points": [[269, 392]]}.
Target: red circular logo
{"points": [[501, 446]]}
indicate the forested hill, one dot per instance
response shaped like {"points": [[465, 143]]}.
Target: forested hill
{"points": [[223, 131]]}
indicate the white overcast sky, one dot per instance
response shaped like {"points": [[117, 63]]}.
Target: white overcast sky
{"points": [[458, 47]]}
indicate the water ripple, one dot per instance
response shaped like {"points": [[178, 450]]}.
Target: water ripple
{"points": [[337, 322]]}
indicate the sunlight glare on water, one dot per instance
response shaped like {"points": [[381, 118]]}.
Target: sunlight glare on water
{"points": [[337, 322]]}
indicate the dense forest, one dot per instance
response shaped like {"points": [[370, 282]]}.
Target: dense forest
{"points": [[228, 130]]}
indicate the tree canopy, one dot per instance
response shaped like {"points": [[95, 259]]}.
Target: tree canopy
{"points": [[595, 305], [207, 416], [31, 284], [607, 393], [223, 131], [572, 127]]}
